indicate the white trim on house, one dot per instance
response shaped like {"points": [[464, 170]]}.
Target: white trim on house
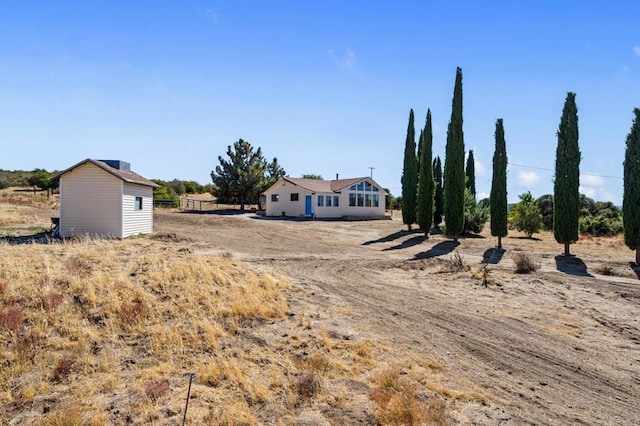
{"points": [[356, 197]]}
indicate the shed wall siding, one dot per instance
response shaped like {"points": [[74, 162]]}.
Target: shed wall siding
{"points": [[90, 202], [137, 221]]}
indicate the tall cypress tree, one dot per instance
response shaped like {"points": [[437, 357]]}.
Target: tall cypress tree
{"points": [[471, 174], [454, 181], [631, 198], [438, 202], [409, 176], [567, 179], [498, 198], [426, 185]]}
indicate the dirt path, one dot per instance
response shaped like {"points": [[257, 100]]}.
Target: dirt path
{"points": [[561, 346]]}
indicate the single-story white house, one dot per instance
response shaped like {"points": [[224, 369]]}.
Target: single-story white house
{"points": [[354, 198], [104, 198]]}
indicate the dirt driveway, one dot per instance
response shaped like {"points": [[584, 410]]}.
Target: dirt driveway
{"points": [[559, 346]]}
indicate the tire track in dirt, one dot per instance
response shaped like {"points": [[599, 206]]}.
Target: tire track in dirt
{"points": [[552, 348], [549, 376]]}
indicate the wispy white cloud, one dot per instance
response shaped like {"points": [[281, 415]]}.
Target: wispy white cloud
{"points": [[479, 167], [345, 60], [591, 179], [594, 186], [212, 14], [482, 195], [528, 179], [636, 50]]}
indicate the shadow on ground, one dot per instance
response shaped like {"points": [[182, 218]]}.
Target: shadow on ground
{"points": [[390, 237], [493, 255], [413, 241], [445, 247], [636, 268], [219, 212], [572, 265], [39, 238]]}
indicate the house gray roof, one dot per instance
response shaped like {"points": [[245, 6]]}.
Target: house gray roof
{"points": [[317, 185], [125, 175]]}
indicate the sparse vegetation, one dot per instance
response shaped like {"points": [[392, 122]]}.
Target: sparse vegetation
{"points": [[525, 264]]}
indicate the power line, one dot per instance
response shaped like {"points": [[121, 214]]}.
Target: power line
{"points": [[551, 170]]}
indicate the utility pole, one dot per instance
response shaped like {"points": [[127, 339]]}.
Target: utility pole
{"points": [[372, 171]]}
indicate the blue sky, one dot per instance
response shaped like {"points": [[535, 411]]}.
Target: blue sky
{"points": [[324, 86]]}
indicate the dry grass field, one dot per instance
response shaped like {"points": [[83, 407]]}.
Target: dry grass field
{"points": [[302, 322]]}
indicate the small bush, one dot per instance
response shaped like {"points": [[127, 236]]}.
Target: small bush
{"points": [[318, 362], [63, 368], [11, 319], [25, 347], [308, 385], [154, 389], [525, 216], [524, 263], [455, 263], [132, 313], [475, 215], [51, 300], [397, 403], [79, 267]]}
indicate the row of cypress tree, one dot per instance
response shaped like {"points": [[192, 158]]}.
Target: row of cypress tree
{"points": [[426, 198]]}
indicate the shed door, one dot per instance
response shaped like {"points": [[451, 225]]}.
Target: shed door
{"points": [[307, 201]]}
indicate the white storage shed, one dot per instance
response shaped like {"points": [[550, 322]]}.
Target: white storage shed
{"points": [[104, 198]]}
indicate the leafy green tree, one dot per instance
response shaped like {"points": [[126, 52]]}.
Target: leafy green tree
{"points": [[567, 178], [498, 197], [426, 184], [471, 173], [475, 215], [40, 179], [454, 176], [438, 202], [545, 204], [525, 215], [409, 176], [631, 195], [311, 176], [246, 174]]}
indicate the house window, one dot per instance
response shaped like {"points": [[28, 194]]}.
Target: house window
{"points": [[352, 187], [367, 200], [138, 205], [361, 186], [275, 198], [328, 200], [367, 186], [376, 200], [336, 201], [360, 200], [352, 199], [294, 196], [375, 188]]}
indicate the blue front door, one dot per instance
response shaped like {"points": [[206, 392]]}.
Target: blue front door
{"points": [[307, 201]]}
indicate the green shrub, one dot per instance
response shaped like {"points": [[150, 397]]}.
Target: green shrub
{"points": [[525, 216], [475, 215]]}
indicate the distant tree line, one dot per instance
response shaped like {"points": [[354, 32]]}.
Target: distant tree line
{"points": [[170, 192], [37, 178]]}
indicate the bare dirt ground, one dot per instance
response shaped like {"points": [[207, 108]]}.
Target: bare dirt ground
{"points": [[558, 346]]}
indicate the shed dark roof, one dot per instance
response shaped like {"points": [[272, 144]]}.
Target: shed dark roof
{"points": [[127, 176]]}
